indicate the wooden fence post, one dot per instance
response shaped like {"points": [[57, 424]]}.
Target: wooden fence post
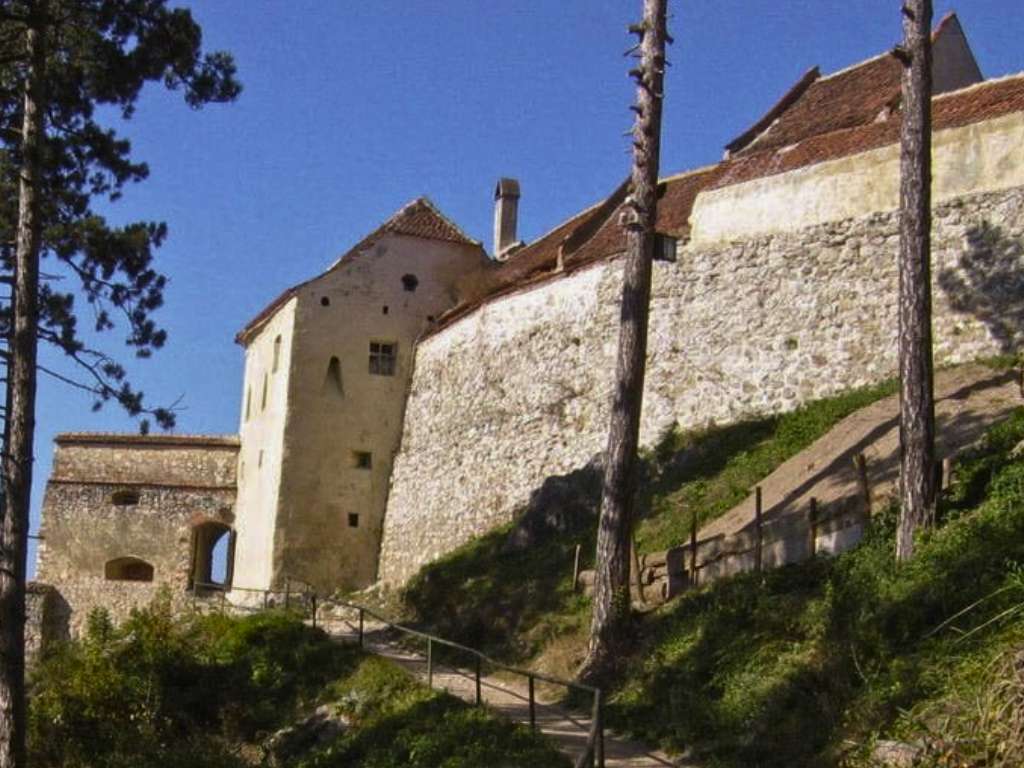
{"points": [[533, 707], [576, 569], [813, 520], [693, 549], [758, 531], [479, 698], [430, 663]]}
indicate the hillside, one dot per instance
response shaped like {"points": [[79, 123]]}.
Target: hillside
{"points": [[805, 666]]}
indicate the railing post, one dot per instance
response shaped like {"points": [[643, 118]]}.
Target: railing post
{"points": [[360, 627], [693, 549], [430, 662], [479, 698], [533, 708], [758, 531], [813, 520], [599, 729]]}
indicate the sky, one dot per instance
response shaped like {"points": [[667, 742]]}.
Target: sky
{"points": [[352, 109]]}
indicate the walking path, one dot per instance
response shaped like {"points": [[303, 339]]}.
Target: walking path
{"points": [[969, 399], [568, 730]]}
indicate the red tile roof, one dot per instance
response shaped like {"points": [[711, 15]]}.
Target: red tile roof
{"points": [[984, 101], [419, 218], [852, 97]]}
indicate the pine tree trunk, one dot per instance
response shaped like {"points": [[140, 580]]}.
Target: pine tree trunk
{"points": [[917, 399], [20, 427], [611, 608]]}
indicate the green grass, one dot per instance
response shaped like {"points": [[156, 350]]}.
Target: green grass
{"points": [[398, 722], [517, 604], [712, 470], [805, 665], [208, 692]]}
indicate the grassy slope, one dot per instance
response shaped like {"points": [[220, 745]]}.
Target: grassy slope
{"points": [[517, 603], [207, 692], [802, 667]]}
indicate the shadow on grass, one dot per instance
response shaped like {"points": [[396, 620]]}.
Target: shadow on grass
{"points": [[804, 664]]}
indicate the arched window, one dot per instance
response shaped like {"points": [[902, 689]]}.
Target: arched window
{"points": [[213, 555], [332, 379], [277, 355], [127, 569]]}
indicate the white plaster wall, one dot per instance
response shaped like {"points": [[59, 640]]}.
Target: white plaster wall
{"points": [[262, 433], [321, 484], [983, 157]]}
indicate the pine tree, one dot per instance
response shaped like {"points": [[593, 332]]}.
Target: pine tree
{"points": [[59, 61], [917, 397], [610, 622]]}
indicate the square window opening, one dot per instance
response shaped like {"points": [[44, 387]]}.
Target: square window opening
{"points": [[383, 356], [363, 459], [353, 520]]}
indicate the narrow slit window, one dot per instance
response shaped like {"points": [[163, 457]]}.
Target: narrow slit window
{"points": [[248, 403], [353, 520], [384, 309], [277, 355], [363, 460], [259, 460], [266, 387], [332, 379], [382, 358]]}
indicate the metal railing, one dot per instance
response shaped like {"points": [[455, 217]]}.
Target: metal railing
{"points": [[307, 600]]}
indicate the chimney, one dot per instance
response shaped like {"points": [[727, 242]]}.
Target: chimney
{"points": [[506, 211]]}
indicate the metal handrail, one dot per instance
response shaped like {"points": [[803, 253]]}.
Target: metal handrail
{"points": [[593, 755]]}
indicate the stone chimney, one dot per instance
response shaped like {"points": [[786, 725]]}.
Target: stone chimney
{"points": [[506, 214]]}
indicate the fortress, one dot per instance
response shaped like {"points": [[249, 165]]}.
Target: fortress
{"points": [[413, 395]]}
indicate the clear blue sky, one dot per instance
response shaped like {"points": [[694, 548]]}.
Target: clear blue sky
{"points": [[351, 109]]}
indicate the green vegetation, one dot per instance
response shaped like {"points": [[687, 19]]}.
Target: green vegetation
{"points": [[710, 471], [210, 691], [400, 723], [804, 665], [517, 603]]}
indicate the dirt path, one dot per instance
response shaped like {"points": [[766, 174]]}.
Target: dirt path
{"points": [[568, 730], [969, 399]]}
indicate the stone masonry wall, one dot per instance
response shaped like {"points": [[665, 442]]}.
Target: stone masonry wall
{"points": [[518, 391], [173, 483]]}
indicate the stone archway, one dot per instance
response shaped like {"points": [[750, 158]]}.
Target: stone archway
{"points": [[206, 534]]}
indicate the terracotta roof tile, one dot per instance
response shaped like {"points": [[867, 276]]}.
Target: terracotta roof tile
{"points": [[984, 101]]}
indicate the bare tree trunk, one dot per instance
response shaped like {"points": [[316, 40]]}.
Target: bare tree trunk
{"points": [[18, 457], [609, 627], [917, 398]]}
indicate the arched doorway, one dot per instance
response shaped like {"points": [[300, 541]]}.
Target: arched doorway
{"points": [[213, 556]]}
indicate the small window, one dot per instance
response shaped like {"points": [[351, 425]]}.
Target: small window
{"points": [[263, 397], [277, 355], [259, 460], [248, 403], [665, 248], [430, 318], [127, 569], [384, 309], [325, 301], [382, 358], [353, 520], [125, 498], [409, 282], [363, 460]]}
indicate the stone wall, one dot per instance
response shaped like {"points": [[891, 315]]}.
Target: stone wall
{"points": [[518, 390], [165, 486]]}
